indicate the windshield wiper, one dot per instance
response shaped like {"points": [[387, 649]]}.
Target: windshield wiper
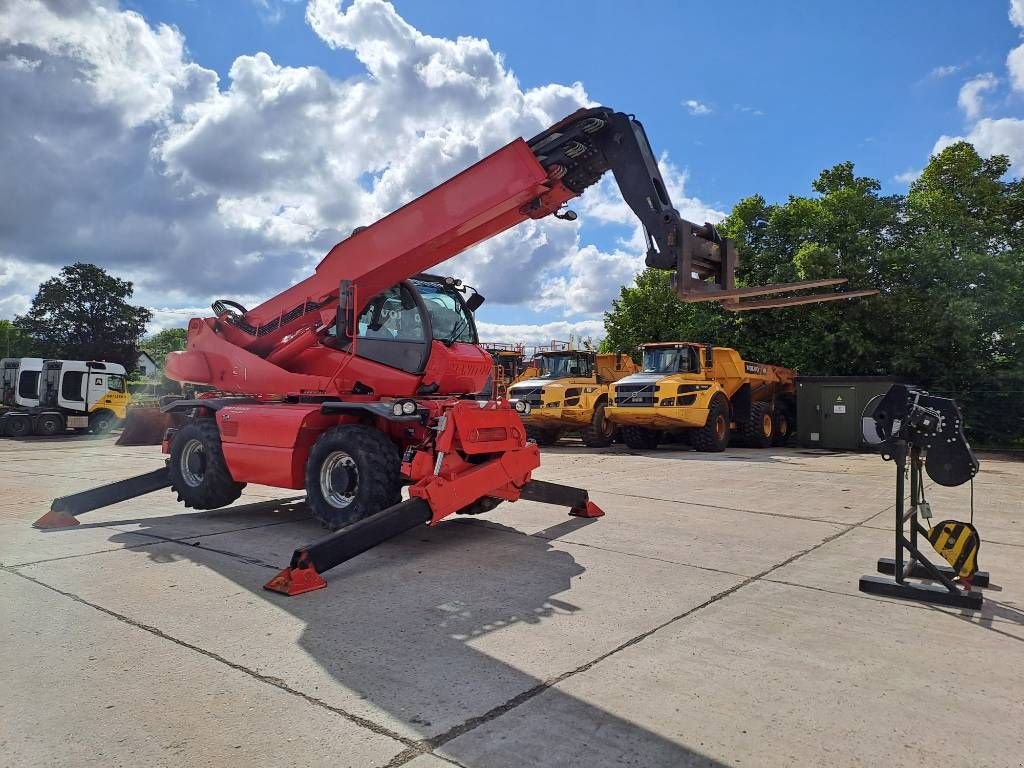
{"points": [[457, 329]]}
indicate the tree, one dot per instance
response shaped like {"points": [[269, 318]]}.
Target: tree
{"points": [[13, 342], [163, 343], [84, 314]]}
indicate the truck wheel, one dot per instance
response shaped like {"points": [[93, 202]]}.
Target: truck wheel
{"points": [[100, 422], [713, 437], [600, 431], [199, 474], [783, 427], [353, 471], [49, 424], [641, 438], [760, 427], [18, 426], [543, 436]]}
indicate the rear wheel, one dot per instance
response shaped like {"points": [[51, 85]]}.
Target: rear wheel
{"points": [[49, 424], [600, 431], [760, 427], [783, 427], [353, 471], [641, 438], [713, 437], [199, 474], [18, 426]]}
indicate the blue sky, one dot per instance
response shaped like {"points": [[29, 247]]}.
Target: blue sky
{"points": [[166, 144]]}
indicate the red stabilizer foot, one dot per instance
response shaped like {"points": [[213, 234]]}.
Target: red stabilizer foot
{"points": [[295, 581], [56, 518], [590, 509]]}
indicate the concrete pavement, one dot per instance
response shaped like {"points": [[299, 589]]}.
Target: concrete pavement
{"points": [[711, 618]]}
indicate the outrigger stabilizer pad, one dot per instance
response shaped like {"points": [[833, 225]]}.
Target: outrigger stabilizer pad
{"points": [[309, 563], [64, 511]]}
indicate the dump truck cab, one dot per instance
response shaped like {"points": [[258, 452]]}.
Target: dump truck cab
{"points": [[703, 393], [569, 392]]}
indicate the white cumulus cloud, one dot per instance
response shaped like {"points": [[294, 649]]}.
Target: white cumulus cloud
{"points": [[697, 107], [972, 93]]}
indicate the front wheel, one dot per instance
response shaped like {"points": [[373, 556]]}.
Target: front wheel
{"points": [[713, 437], [101, 422], [49, 424], [353, 471], [199, 474], [600, 431], [641, 438]]}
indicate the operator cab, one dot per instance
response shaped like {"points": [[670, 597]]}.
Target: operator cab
{"points": [[669, 359], [564, 365], [398, 327]]}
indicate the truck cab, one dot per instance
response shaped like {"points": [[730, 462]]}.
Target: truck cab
{"points": [[705, 394], [19, 382], [71, 394], [569, 393]]}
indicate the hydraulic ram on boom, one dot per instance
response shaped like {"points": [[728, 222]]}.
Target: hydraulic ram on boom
{"points": [[359, 380]]}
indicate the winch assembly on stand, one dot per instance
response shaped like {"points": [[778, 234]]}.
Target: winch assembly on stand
{"points": [[923, 433]]}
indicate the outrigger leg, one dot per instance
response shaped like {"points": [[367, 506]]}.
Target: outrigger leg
{"points": [[309, 563], [65, 510]]}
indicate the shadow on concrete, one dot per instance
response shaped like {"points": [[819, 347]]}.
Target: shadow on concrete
{"points": [[408, 626]]}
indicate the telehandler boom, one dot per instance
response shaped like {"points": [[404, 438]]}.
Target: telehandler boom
{"points": [[354, 382]]}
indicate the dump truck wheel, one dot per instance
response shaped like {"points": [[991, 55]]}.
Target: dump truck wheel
{"points": [[543, 436], [199, 474], [760, 427], [18, 426], [713, 437], [600, 431], [353, 472], [49, 424], [641, 438], [783, 427]]}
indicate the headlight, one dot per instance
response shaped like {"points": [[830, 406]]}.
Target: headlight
{"points": [[403, 407], [522, 407], [668, 401]]}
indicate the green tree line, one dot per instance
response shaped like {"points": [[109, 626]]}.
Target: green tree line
{"points": [[947, 258]]}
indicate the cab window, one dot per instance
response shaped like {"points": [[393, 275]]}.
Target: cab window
{"points": [[71, 386], [392, 331], [449, 319], [115, 383], [28, 384]]}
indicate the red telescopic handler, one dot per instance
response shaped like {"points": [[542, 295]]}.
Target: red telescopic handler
{"points": [[360, 380]]}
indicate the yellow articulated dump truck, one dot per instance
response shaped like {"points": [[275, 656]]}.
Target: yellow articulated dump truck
{"points": [[704, 394], [568, 393]]}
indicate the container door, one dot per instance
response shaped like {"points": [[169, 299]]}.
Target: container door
{"points": [[840, 424]]}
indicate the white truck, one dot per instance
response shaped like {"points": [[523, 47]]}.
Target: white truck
{"points": [[48, 397]]}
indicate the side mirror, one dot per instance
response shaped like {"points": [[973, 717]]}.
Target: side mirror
{"points": [[473, 302], [709, 356]]}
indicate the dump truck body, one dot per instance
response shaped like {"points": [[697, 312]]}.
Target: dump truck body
{"points": [[569, 392], [688, 390]]}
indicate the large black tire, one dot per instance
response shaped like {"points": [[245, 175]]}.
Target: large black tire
{"points": [[713, 437], [18, 426], [543, 436], [100, 422], [600, 432], [49, 424], [759, 428], [199, 474], [641, 438], [353, 471], [783, 426]]}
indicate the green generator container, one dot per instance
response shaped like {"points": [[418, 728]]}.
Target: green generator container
{"points": [[829, 409]]}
